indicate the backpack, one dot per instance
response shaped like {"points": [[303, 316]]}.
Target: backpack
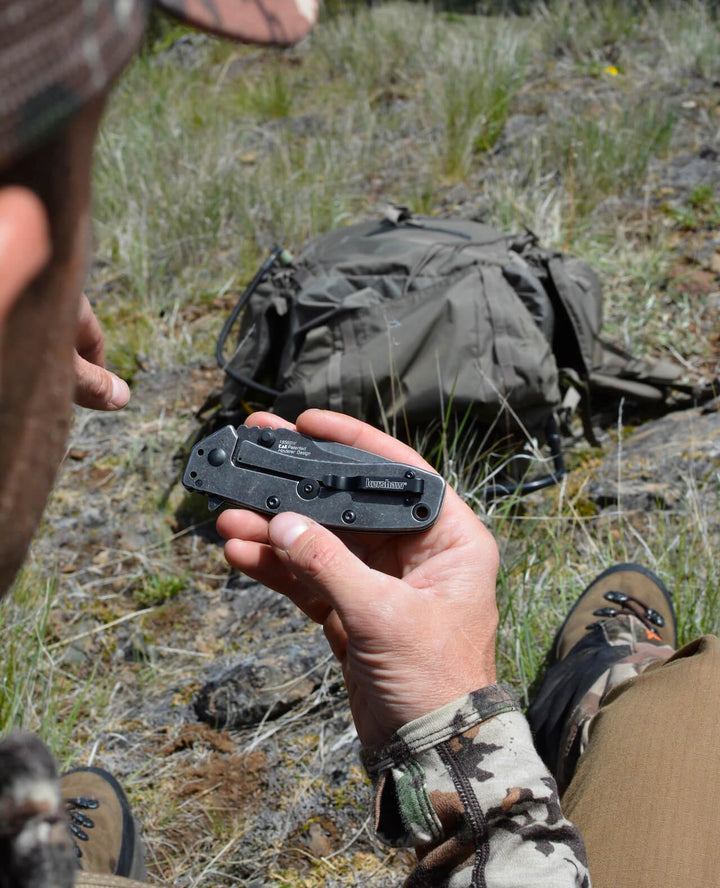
{"points": [[405, 320]]}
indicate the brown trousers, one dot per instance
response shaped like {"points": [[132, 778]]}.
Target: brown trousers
{"points": [[646, 789]]}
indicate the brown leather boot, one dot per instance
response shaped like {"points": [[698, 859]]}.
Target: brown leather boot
{"points": [[622, 589], [626, 606], [105, 833]]}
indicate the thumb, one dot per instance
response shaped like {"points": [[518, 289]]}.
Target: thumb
{"points": [[98, 388], [322, 562]]}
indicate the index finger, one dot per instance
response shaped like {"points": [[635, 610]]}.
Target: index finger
{"points": [[356, 433], [330, 426], [262, 419], [90, 343]]}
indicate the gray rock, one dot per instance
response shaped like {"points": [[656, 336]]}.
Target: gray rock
{"points": [[267, 684], [658, 464], [687, 172]]}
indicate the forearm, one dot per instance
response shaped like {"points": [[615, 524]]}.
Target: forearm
{"points": [[465, 787]]}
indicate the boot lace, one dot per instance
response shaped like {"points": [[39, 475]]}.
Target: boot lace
{"points": [[79, 821], [629, 606]]}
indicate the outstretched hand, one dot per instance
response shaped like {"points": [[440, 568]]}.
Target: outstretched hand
{"points": [[410, 617], [95, 387]]}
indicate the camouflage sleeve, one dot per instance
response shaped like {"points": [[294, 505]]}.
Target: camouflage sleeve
{"points": [[465, 787]]}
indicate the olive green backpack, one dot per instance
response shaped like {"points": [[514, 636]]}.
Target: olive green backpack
{"points": [[406, 320]]}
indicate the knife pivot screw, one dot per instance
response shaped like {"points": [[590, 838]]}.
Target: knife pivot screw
{"points": [[267, 437], [217, 456], [349, 517], [421, 512], [272, 502], [308, 488]]}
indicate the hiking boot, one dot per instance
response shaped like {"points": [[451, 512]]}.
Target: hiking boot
{"points": [[624, 589], [597, 634], [106, 836]]}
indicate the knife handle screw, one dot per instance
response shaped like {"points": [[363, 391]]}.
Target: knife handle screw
{"points": [[349, 517], [272, 502], [409, 474], [267, 437]]}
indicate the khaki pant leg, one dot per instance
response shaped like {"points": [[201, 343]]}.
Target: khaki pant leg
{"points": [[646, 792]]}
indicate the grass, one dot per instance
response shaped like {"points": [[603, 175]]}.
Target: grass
{"points": [[588, 31], [157, 589], [553, 544], [471, 94], [34, 695], [559, 117], [600, 156]]}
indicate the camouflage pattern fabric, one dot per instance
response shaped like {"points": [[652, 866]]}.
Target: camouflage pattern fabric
{"points": [[646, 648], [56, 55], [465, 788]]}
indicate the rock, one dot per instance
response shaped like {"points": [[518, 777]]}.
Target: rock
{"points": [[267, 684], [692, 171], [657, 465]]}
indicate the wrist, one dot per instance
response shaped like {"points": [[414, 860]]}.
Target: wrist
{"points": [[439, 725]]}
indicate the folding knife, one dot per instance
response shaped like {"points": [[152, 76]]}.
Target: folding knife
{"points": [[279, 470]]}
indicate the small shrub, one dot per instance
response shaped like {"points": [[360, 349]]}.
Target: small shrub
{"points": [[159, 589]]}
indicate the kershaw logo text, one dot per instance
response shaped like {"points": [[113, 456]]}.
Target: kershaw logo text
{"points": [[384, 484]]}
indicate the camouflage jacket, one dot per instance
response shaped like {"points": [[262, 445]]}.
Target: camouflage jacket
{"points": [[465, 788]]}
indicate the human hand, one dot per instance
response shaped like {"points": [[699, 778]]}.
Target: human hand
{"points": [[95, 387], [410, 617]]}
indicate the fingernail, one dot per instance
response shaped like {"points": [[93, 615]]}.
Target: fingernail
{"points": [[120, 392], [286, 528]]}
